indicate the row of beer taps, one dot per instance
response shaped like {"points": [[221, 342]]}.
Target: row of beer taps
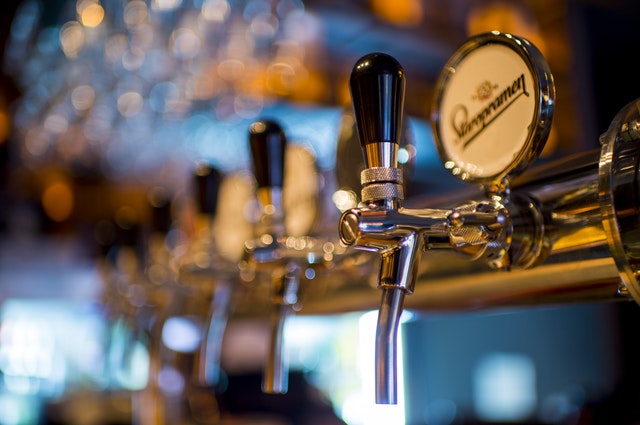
{"points": [[286, 264], [501, 229], [153, 278]]}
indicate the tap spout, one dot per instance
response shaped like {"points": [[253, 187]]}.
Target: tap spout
{"points": [[275, 376], [208, 369], [398, 271], [386, 345]]}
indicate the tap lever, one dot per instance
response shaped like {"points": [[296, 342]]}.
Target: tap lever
{"points": [[377, 89], [207, 181], [478, 215], [377, 86], [268, 144]]}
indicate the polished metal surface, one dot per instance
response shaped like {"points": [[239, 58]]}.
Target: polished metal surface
{"points": [[381, 174], [381, 191], [382, 154], [619, 194], [208, 369], [386, 350], [569, 261], [285, 297]]}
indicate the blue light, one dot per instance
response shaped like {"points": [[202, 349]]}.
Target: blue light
{"points": [[181, 334], [504, 387]]}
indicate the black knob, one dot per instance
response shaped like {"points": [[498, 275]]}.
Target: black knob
{"points": [[377, 86], [161, 215], [268, 143], [207, 180]]}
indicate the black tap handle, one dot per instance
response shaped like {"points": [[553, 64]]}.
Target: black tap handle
{"points": [[161, 216], [377, 86], [207, 180], [268, 143]]}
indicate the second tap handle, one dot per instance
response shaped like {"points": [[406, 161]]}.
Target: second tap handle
{"points": [[268, 144], [377, 86], [207, 186]]}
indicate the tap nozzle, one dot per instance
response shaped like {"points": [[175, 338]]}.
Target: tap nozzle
{"points": [[386, 351], [208, 367], [285, 297]]}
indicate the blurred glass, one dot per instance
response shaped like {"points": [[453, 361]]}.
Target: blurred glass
{"points": [[133, 88]]}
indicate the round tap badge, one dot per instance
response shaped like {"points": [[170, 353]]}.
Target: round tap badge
{"points": [[493, 107]]}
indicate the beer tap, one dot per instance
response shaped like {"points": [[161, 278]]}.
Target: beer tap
{"points": [[481, 229], [268, 144], [287, 260], [207, 271]]}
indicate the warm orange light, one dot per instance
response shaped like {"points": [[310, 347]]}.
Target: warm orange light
{"points": [[343, 93], [505, 17], [312, 88], [256, 81], [281, 77], [5, 126], [91, 15], [57, 201], [399, 12]]}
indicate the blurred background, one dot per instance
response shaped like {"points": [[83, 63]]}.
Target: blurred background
{"points": [[105, 107]]}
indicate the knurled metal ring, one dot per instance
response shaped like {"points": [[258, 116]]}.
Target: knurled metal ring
{"points": [[378, 191], [380, 174]]}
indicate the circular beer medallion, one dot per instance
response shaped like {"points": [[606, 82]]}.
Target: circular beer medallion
{"points": [[493, 108]]}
